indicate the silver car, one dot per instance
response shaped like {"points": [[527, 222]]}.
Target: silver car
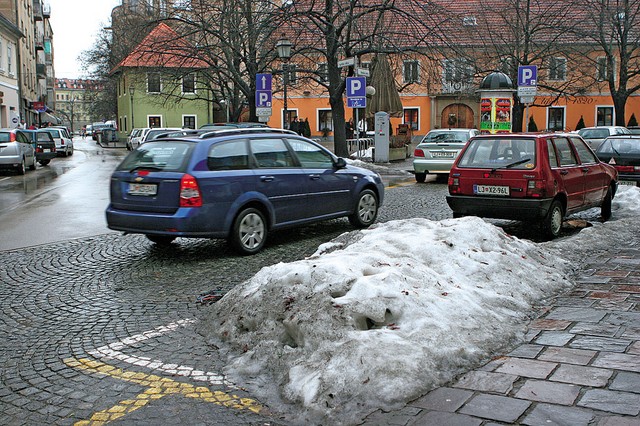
{"points": [[64, 143], [594, 136], [437, 151], [16, 151]]}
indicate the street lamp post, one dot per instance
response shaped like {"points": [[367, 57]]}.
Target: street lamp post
{"points": [[284, 52], [132, 90]]}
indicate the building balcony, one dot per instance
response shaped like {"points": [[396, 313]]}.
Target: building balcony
{"points": [[37, 10], [46, 11]]}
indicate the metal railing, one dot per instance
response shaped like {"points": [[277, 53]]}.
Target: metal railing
{"points": [[358, 145]]}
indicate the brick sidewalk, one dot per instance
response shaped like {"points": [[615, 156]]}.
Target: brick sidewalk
{"points": [[581, 365]]}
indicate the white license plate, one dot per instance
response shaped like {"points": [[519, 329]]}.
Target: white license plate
{"points": [[147, 189], [627, 182], [443, 154], [490, 190], [46, 150]]}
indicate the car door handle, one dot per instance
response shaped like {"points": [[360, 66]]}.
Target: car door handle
{"points": [[564, 172], [585, 170], [314, 177], [267, 178]]}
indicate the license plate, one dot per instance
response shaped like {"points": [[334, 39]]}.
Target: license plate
{"points": [[147, 189], [627, 182], [441, 154], [46, 150], [490, 190]]}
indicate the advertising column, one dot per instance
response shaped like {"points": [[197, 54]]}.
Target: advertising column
{"points": [[495, 114]]}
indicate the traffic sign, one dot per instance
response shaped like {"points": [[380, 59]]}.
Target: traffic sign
{"points": [[347, 62], [263, 98], [263, 81], [364, 72], [527, 91], [527, 99], [527, 76], [356, 102], [263, 112]]}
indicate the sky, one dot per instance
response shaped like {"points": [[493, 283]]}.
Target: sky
{"points": [[75, 25], [380, 316]]}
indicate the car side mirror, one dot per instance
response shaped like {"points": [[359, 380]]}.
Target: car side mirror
{"points": [[340, 163]]}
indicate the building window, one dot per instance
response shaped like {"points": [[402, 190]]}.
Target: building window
{"points": [[411, 71], [155, 121], [189, 83], [412, 118], [323, 74], [10, 59], [325, 120], [153, 82], [1, 56], [457, 71], [603, 68], [189, 121], [558, 69], [469, 21], [604, 116], [555, 119]]}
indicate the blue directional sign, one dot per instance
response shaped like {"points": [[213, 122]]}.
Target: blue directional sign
{"points": [[527, 76], [263, 90], [356, 92]]}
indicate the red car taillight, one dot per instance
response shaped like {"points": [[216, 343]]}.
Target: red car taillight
{"points": [[418, 153], [190, 192], [536, 189], [627, 169], [454, 185]]}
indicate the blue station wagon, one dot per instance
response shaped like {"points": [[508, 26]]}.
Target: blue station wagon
{"points": [[237, 184]]}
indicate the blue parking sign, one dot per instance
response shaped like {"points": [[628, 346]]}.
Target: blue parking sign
{"points": [[527, 76], [356, 87]]}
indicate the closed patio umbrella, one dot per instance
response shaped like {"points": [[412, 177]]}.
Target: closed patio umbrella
{"points": [[387, 98]]}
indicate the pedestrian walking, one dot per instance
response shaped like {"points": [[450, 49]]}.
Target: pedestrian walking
{"points": [[295, 125], [348, 126]]}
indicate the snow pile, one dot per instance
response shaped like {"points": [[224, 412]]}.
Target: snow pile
{"points": [[380, 316]]}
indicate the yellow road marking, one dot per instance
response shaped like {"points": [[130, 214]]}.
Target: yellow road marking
{"points": [[158, 387]]}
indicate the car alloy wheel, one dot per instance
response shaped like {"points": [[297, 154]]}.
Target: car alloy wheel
{"points": [[249, 231], [366, 209], [22, 167]]}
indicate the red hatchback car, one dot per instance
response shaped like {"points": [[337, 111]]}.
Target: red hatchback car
{"points": [[539, 178]]}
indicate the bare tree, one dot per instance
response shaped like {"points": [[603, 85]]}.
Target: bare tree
{"points": [[612, 28]]}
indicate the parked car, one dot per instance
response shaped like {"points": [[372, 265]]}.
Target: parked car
{"points": [[16, 151], [437, 151], [43, 144], [243, 124], [134, 134], [153, 133], [595, 135], [64, 144], [635, 130], [540, 178], [239, 185], [134, 141], [623, 153]]}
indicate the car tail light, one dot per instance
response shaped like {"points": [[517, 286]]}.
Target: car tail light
{"points": [[190, 192], [536, 189], [627, 169], [454, 185], [12, 137], [418, 153]]}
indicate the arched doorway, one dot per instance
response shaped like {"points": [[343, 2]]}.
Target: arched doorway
{"points": [[457, 116]]}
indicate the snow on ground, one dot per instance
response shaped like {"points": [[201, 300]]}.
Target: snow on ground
{"points": [[380, 316]]}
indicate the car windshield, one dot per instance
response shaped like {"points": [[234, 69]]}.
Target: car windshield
{"points": [[593, 133], [445, 136], [517, 153], [620, 146], [168, 156]]}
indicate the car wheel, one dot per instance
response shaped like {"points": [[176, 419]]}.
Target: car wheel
{"points": [[366, 209], [44, 162], [161, 240], [22, 168], [552, 223], [33, 164], [70, 152], [605, 208], [421, 177], [249, 231]]}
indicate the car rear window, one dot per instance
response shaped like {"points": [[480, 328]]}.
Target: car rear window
{"points": [[620, 146], [167, 156], [446, 136], [5, 137], [594, 133], [500, 153]]}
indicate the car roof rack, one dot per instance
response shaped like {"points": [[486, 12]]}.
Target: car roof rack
{"points": [[244, 130]]}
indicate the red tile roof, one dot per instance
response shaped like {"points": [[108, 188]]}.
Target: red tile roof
{"points": [[163, 48]]}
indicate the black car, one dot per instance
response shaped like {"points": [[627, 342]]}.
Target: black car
{"points": [[623, 153], [43, 144]]}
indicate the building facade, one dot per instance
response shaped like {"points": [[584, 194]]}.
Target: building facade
{"points": [[73, 100], [9, 84]]}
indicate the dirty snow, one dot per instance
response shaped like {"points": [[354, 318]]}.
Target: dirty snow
{"points": [[377, 317]]}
